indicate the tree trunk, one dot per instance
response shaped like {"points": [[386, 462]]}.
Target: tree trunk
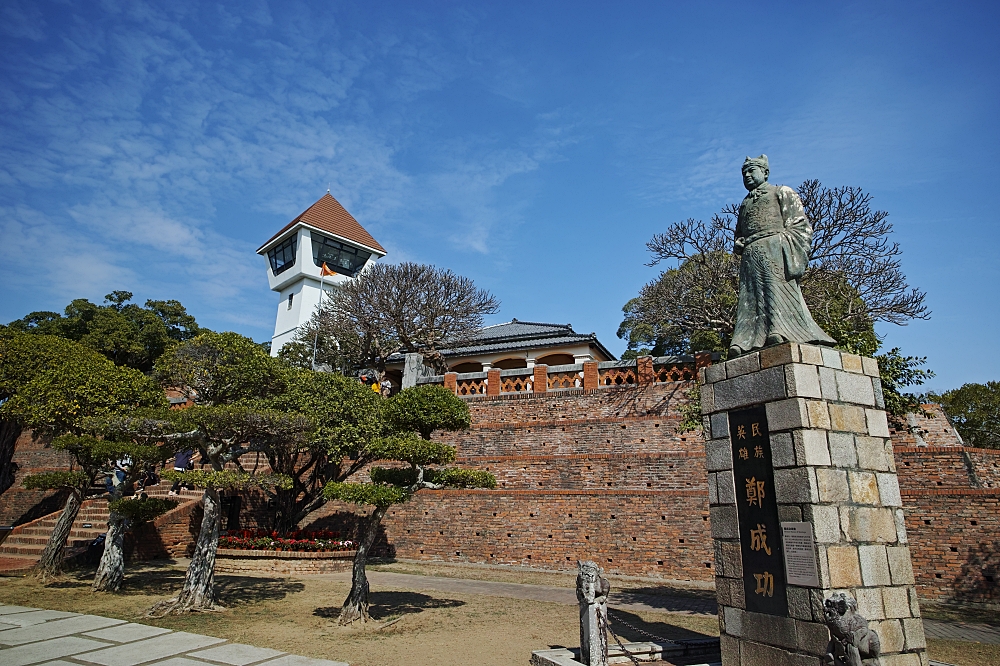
{"points": [[9, 432], [51, 562], [284, 518], [198, 593], [111, 570], [356, 605]]}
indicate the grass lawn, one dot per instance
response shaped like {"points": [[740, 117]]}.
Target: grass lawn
{"points": [[298, 615]]}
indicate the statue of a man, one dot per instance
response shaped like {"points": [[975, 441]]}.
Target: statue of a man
{"points": [[773, 237]]}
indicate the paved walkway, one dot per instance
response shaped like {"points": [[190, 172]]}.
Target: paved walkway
{"points": [[57, 638]]}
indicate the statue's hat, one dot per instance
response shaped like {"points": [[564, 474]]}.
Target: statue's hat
{"points": [[756, 161]]}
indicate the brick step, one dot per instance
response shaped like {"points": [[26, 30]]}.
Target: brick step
{"points": [[76, 531], [11, 563], [43, 538]]}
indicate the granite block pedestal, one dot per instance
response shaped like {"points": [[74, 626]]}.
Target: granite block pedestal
{"points": [[804, 503]]}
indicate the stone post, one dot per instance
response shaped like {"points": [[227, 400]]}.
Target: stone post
{"points": [[805, 503], [644, 374], [540, 380], [493, 381], [413, 369], [592, 590]]}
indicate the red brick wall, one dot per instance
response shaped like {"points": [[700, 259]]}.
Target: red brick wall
{"points": [[955, 543], [32, 455]]}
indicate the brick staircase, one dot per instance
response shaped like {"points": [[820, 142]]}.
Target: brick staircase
{"points": [[23, 547]]}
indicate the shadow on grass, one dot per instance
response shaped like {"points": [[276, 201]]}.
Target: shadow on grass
{"points": [[662, 630], [670, 599], [160, 580], [383, 605]]}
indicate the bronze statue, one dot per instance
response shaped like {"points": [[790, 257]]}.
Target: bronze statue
{"points": [[773, 237]]}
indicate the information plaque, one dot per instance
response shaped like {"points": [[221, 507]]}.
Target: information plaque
{"points": [[757, 512], [800, 554]]}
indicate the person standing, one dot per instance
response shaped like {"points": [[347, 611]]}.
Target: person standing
{"points": [[183, 461]]}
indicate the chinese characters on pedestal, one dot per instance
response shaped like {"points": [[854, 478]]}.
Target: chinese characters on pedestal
{"points": [[757, 511]]}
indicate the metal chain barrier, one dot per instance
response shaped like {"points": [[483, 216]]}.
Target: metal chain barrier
{"points": [[673, 641], [606, 626]]}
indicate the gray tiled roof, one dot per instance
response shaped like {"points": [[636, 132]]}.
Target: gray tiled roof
{"points": [[517, 335]]}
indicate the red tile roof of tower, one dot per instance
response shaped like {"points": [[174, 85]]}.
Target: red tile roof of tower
{"points": [[328, 215]]}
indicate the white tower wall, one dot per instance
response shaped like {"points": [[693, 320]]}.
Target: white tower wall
{"points": [[302, 282]]}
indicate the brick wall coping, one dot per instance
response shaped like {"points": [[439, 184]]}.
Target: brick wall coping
{"points": [[700, 492], [921, 492], [495, 425], [944, 449], [287, 554], [588, 456]]}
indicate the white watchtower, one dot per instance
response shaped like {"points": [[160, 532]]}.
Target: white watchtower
{"points": [[324, 233]]}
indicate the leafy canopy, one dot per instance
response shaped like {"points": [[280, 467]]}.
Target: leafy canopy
{"points": [[426, 408], [220, 368], [51, 384], [141, 509], [123, 332], [974, 409]]}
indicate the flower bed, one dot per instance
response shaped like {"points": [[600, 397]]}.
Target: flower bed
{"points": [[298, 541], [282, 563]]}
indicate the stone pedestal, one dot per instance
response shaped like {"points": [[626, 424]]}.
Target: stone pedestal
{"points": [[804, 503]]}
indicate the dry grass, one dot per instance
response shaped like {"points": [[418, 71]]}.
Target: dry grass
{"points": [[299, 616], [960, 653], [434, 628]]}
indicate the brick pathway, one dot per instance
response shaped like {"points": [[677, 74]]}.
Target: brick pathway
{"points": [[56, 638]]}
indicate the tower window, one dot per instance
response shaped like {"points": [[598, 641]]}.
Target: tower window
{"points": [[337, 256], [291, 297], [282, 257]]}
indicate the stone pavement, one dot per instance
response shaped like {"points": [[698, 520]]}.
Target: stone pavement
{"points": [[57, 638]]}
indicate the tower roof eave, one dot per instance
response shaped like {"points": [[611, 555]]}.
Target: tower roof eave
{"points": [[327, 215]]}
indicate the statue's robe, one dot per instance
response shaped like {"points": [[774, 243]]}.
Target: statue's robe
{"points": [[776, 237]]}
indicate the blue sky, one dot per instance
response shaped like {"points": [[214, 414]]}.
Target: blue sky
{"points": [[534, 147]]}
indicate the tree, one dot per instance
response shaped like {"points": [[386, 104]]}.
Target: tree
{"points": [[391, 308], [51, 385], [123, 332], [219, 368], [144, 441], [974, 410], [219, 431], [346, 417], [854, 280], [415, 414], [96, 459]]}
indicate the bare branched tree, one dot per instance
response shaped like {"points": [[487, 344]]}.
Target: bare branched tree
{"points": [[854, 277], [392, 308]]}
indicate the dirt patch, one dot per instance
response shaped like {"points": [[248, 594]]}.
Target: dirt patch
{"points": [[299, 616], [961, 653]]}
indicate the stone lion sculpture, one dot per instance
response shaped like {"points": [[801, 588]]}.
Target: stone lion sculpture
{"points": [[852, 642]]}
